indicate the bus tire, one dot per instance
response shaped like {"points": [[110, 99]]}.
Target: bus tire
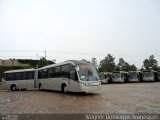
{"points": [[13, 87], [24, 89], [40, 87], [64, 88], [141, 80]]}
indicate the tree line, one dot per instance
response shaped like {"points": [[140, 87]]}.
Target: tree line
{"points": [[108, 64]]}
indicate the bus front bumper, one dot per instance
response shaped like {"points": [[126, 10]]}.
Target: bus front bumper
{"points": [[118, 80], [133, 80], [148, 79], [91, 89], [104, 81]]}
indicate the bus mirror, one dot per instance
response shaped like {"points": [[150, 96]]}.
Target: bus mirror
{"points": [[77, 68]]}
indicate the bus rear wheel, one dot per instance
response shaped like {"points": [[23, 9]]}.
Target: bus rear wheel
{"points": [[13, 88], [64, 88]]}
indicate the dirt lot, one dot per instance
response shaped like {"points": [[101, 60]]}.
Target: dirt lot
{"points": [[131, 98]]}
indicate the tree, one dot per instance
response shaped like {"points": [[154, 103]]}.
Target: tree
{"points": [[107, 64], [151, 63], [121, 64], [42, 62], [132, 68], [124, 66]]}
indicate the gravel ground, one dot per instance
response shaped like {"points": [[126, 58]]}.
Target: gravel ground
{"points": [[130, 98]]}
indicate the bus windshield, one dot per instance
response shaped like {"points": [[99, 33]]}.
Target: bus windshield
{"points": [[88, 73], [132, 74], [116, 75], [148, 74], [101, 76]]}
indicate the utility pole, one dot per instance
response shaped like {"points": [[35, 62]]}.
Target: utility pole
{"points": [[37, 61], [45, 53], [94, 62], [12, 63], [37, 56]]}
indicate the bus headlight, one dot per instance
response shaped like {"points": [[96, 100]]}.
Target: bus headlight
{"points": [[86, 84], [82, 84]]}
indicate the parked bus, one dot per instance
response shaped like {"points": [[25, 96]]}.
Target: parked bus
{"points": [[105, 77], [69, 76], [158, 74], [120, 76], [19, 79], [150, 75], [135, 76]]}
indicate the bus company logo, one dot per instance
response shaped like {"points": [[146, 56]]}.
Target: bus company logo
{"points": [[9, 117]]}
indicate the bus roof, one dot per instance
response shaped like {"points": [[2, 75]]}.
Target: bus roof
{"points": [[106, 72], [73, 62], [149, 71], [120, 72], [19, 70], [134, 71]]}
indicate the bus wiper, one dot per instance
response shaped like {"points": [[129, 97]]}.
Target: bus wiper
{"points": [[90, 72]]}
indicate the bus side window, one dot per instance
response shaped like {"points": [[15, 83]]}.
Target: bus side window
{"points": [[57, 71], [39, 74], [25, 76], [65, 71], [10, 76], [73, 75], [51, 72], [44, 73], [18, 76], [30, 75]]}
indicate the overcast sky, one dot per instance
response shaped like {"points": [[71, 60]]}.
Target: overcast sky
{"points": [[80, 29]]}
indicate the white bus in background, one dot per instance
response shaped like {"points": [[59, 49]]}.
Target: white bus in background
{"points": [[69, 76], [120, 76], [105, 77], [135, 76], [150, 75], [158, 75], [19, 79]]}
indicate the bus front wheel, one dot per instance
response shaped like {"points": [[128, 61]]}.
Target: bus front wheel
{"points": [[40, 87], [13, 87]]}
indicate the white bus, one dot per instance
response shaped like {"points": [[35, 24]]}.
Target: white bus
{"points": [[105, 77], [158, 75], [19, 79], [150, 75], [120, 76], [69, 76], [135, 76]]}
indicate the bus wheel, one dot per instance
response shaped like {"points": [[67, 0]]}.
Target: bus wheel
{"points": [[13, 88], [109, 81], [64, 88], [24, 89], [40, 87]]}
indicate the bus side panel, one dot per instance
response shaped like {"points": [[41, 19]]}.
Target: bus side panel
{"points": [[30, 83], [73, 86], [21, 84], [58, 83]]}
